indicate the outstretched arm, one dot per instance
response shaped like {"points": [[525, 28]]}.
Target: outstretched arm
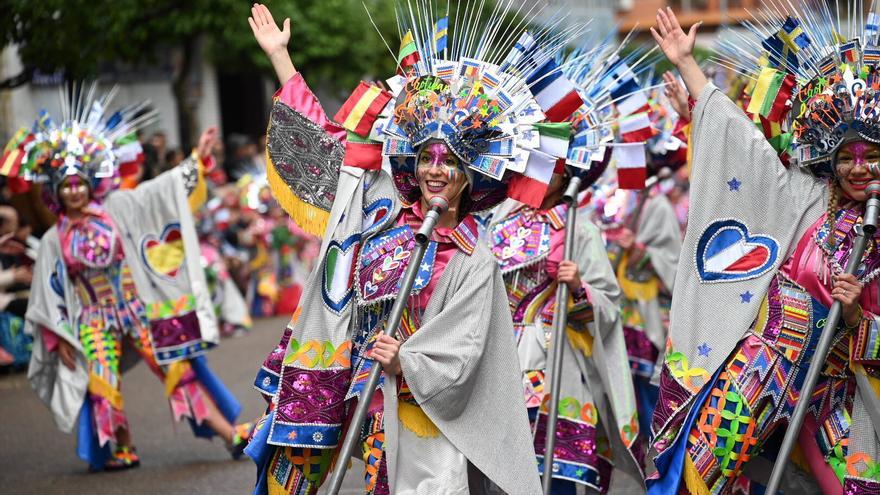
{"points": [[678, 47], [272, 40]]}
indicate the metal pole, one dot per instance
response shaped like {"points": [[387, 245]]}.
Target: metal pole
{"points": [[869, 227], [560, 324], [438, 205]]}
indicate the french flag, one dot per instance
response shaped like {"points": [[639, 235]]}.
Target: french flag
{"points": [[635, 102], [631, 165], [530, 186], [553, 91]]}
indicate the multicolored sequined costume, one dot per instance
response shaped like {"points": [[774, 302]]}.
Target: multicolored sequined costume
{"points": [[90, 297], [313, 381]]}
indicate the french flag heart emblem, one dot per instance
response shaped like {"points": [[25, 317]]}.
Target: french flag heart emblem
{"points": [[727, 252]]}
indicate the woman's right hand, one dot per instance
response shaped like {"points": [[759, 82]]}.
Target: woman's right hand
{"points": [[676, 45], [67, 354], [271, 39]]}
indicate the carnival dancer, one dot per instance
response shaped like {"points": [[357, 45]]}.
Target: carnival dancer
{"points": [[451, 398], [597, 427], [766, 245], [114, 270]]}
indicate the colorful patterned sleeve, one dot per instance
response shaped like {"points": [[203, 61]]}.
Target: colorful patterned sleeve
{"points": [[303, 156], [866, 341]]}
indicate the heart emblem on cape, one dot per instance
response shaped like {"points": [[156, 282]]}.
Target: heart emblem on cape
{"points": [[370, 288], [508, 252], [517, 242], [727, 252], [389, 264], [400, 254], [376, 214], [338, 273], [164, 254]]}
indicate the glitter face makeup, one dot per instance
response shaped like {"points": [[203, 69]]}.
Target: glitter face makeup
{"points": [[854, 164], [439, 173], [73, 193]]}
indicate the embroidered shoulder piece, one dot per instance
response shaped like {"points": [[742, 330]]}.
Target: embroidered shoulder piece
{"points": [[303, 167], [383, 261], [520, 241]]}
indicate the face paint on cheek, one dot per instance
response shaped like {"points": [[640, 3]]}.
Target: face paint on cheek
{"points": [[452, 174]]}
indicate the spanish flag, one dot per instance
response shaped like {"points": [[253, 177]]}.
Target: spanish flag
{"points": [[362, 108], [409, 53], [10, 164]]}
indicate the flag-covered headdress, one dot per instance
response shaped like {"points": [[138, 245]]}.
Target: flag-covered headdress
{"points": [[614, 122], [87, 141], [816, 84], [480, 87]]}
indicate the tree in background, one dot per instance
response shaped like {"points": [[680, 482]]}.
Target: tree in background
{"points": [[333, 41]]}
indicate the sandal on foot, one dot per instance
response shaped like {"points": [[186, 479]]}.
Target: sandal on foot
{"points": [[240, 439], [123, 458]]}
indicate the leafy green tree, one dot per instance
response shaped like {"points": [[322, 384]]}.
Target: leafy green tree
{"points": [[333, 41]]}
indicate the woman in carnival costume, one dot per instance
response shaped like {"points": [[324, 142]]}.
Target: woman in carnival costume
{"points": [[597, 427], [766, 245], [451, 398], [114, 270]]}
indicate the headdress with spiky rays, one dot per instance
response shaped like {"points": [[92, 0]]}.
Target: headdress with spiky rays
{"points": [[87, 141], [469, 77], [815, 74]]}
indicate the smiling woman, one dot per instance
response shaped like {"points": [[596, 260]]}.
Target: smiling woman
{"points": [[447, 128], [784, 233], [104, 276]]}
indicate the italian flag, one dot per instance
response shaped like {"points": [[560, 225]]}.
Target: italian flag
{"points": [[129, 154], [530, 186], [554, 138], [631, 169], [362, 108]]}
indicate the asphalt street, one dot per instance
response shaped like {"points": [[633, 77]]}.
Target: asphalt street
{"points": [[35, 458]]}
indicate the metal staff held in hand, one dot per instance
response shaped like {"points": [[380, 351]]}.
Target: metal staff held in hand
{"points": [[869, 226], [559, 324], [438, 205]]}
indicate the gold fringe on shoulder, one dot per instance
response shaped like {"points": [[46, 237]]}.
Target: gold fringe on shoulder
{"points": [[309, 218], [415, 420], [199, 196]]}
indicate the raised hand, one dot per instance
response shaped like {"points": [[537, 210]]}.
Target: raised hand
{"points": [[677, 95], [676, 45], [271, 39], [207, 141]]}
